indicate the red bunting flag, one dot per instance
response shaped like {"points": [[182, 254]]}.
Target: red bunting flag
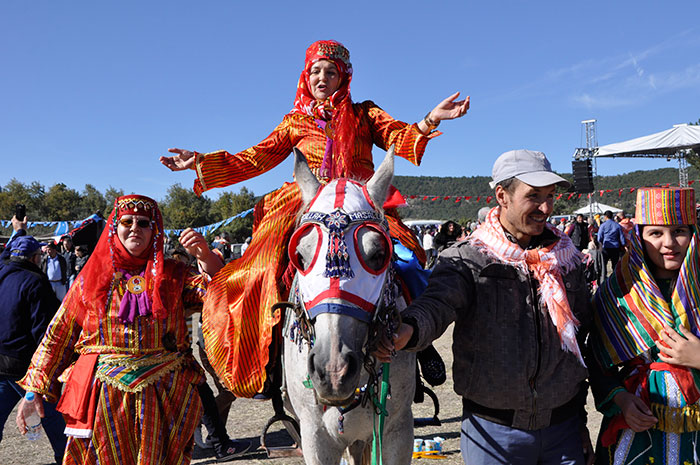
{"points": [[488, 199], [570, 195], [478, 199], [434, 199], [468, 197], [631, 189], [619, 194], [425, 197], [601, 193], [690, 183], [412, 196], [589, 195], [458, 199], [447, 197], [579, 196]]}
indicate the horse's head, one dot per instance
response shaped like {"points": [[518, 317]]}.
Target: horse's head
{"points": [[341, 250]]}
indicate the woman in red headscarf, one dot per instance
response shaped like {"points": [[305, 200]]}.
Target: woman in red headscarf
{"points": [[131, 395], [337, 136]]}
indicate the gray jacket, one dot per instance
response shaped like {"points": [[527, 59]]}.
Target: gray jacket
{"points": [[507, 352]]}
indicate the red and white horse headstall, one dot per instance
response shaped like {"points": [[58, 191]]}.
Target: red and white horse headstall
{"points": [[342, 283]]}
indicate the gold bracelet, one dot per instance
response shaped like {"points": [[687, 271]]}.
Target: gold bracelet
{"points": [[428, 122]]}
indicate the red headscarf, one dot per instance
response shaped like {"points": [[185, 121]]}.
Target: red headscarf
{"points": [[337, 110], [104, 269]]}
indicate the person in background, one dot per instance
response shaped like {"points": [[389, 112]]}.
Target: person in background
{"points": [[561, 226], [449, 232], [245, 245], [481, 214], [612, 239], [69, 256], [626, 224], [27, 304], [81, 257], [578, 232], [429, 247], [56, 268], [645, 369]]}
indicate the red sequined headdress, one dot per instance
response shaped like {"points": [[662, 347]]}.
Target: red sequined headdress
{"points": [[337, 110], [106, 265]]}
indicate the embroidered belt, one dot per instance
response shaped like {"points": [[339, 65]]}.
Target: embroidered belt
{"points": [[132, 373]]}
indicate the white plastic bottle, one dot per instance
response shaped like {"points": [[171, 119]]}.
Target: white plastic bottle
{"points": [[33, 421]]}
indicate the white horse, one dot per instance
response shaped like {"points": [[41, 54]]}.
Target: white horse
{"points": [[347, 295]]}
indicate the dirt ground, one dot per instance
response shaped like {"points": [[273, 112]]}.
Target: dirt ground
{"points": [[247, 419]]}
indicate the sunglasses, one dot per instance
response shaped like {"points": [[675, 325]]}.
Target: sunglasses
{"points": [[129, 222]]}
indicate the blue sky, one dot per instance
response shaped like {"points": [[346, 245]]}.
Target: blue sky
{"points": [[94, 92]]}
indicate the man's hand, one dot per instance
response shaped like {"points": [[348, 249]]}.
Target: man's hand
{"points": [[636, 413], [19, 224], [387, 348]]}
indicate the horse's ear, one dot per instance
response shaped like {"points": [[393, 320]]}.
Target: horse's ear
{"points": [[307, 182], [378, 185]]}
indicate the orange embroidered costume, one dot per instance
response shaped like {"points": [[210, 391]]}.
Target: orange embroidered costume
{"points": [[336, 135], [131, 396]]}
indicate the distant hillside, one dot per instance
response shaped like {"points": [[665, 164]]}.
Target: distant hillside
{"points": [[474, 186]]}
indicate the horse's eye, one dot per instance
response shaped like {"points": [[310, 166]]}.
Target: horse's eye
{"points": [[303, 247], [377, 259], [373, 248]]}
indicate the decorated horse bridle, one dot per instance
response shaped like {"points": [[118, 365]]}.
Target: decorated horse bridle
{"points": [[337, 269]]}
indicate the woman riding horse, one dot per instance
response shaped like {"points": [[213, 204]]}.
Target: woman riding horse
{"points": [[337, 136]]}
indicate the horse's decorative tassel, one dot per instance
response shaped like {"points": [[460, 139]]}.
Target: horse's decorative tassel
{"points": [[337, 258]]}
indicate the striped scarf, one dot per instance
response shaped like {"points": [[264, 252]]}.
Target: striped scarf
{"points": [[631, 310], [546, 265]]}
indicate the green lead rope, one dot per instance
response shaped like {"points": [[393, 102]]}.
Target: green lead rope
{"points": [[379, 432]]}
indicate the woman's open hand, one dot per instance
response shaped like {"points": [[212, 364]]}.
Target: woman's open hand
{"points": [[680, 349], [636, 413], [183, 160], [449, 109]]}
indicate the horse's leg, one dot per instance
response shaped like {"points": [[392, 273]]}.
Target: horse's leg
{"points": [[319, 447]]}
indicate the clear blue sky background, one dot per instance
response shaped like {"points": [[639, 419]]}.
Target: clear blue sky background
{"points": [[95, 91]]}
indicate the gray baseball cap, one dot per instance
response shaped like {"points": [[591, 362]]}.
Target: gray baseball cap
{"points": [[528, 166]]}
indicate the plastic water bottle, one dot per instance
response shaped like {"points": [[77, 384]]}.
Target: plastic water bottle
{"points": [[33, 421]]}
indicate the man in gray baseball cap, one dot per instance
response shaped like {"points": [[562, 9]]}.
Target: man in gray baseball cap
{"points": [[515, 291]]}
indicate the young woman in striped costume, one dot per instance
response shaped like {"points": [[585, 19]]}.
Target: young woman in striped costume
{"points": [[646, 346]]}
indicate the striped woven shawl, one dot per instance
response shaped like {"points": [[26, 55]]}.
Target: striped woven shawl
{"points": [[631, 310]]}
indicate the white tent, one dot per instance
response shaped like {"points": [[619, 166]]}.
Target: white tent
{"points": [[596, 207], [664, 143]]}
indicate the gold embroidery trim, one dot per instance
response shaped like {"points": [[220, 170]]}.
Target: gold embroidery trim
{"points": [[143, 383], [198, 166], [676, 419]]}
